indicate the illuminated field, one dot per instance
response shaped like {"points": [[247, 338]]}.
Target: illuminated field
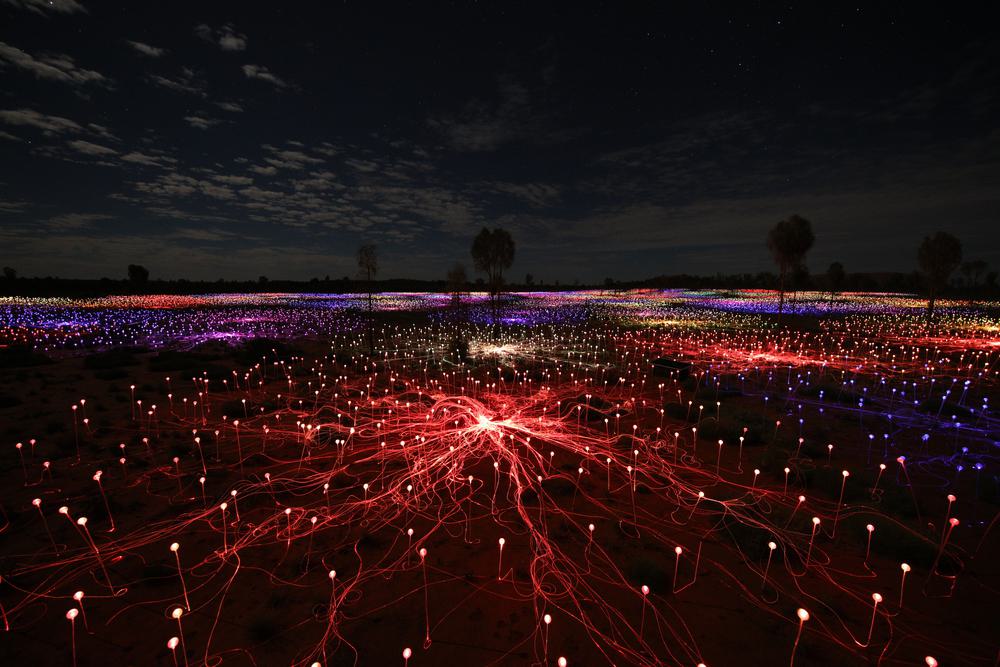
{"points": [[499, 495]]}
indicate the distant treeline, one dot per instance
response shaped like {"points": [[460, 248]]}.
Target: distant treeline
{"points": [[854, 282]]}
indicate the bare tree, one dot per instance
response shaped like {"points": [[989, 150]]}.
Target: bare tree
{"points": [[789, 241], [492, 252], [456, 281], [938, 257], [367, 268], [835, 277]]}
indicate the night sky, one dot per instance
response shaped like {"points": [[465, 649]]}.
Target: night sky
{"points": [[230, 140]]}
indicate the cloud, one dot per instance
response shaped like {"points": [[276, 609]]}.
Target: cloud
{"points": [[233, 180], [201, 122], [53, 66], [45, 7], [226, 37], [230, 106], [12, 206], [101, 131], [160, 161], [8, 136], [32, 118], [89, 148], [230, 40], [482, 126], [76, 220], [146, 49], [262, 73], [186, 82], [536, 194], [283, 159]]}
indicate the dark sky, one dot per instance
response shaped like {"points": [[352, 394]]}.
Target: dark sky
{"points": [[231, 140]]}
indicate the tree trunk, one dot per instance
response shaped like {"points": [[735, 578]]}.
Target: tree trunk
{"points": [[930, 306], [781, 297]]}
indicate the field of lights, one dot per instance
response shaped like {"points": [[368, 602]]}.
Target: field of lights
{"points": [[666, 478]]}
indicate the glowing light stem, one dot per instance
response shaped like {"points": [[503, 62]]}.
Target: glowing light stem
{"points": [[803, 617], [37, 502], [501, 542], [107, 507], [71, 615], [177, 613], [902, 582], [427, 608], [840, 502], [771, 546], [876, 598], [812, 537], [175, 547], [82, 521]]}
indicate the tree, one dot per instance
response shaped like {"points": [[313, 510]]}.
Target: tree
{"points": [[938, 257], [138, 273], [10, 273], [367, 268], [835, 277], [972, 271], [492, 252], [529, 280], [262, 280], [789, 241], [456, 281]]}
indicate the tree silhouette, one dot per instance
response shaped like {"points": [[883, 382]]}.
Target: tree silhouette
{"points": [[367, 268], [835, 277], [456, 281], [492, 252], [972, 271], [138, 273], [10, 273], [789, 241], [938, 257]]}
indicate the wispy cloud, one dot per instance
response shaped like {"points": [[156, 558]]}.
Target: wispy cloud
{"points": [[52, 66], [161, 161], [76, 220], [230, 106], [200, 121], [226, 38], [185, 82], [146, 49], [89, 148], [264, 74], [46, 7], [32, 118]]}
